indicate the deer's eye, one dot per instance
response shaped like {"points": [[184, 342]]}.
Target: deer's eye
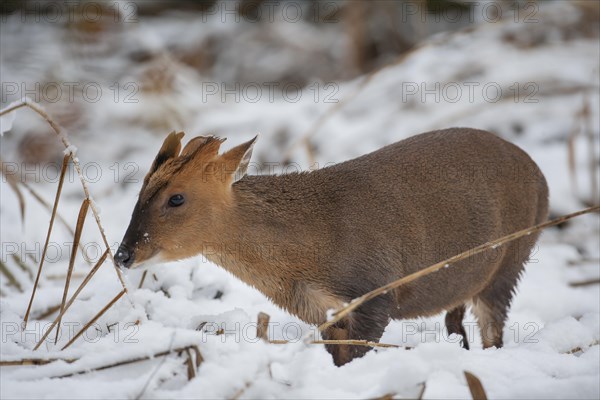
{"points": [[176, 200]]}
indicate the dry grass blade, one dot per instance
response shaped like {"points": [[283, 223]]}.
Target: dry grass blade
{"points": [[48, 312], [191, 370], [98, 315], [47, 205], [72, 299], [342, 312], [141, 394], [262, 326], [579, 348], [9, 275], [143, 279], [422, 392], [387, 396], [59, 217], [199, 358], [35, 361], [475, 387], [588, 282], [50, 225], [76, 239], [347, 343], [125, 362], [571, 138], [593, 157], [24, 267], [14, 185], [63, 138]]}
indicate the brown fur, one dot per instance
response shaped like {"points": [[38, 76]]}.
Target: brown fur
{"points": [[311, 241]]}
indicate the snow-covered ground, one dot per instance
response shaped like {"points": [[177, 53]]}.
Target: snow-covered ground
{"points": [[546, 74]]}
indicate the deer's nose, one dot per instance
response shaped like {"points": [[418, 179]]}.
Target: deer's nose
{"points": [[124, 256]]}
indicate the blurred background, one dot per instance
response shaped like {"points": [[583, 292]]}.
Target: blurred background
{"points": [[322, 82]]}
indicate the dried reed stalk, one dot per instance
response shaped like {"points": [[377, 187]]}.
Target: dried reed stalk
{"points": [[578, 348], [59, 217], [65, 141], [9, 275], [47, 205], [73, 297], [48, 312], [133, 360], [475, 386], [76, 239], [143, 279], [35, 361], [588, 282], [98, 315], [344, 311], [24, 267], [63, 170], [262, 326], [593, 157], [14, 185], [347, 343]]}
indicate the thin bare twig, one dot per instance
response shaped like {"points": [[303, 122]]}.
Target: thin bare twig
{"points": [[344, 311]]}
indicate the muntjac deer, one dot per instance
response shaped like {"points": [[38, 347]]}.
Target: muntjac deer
{"points": [[312, 241]]}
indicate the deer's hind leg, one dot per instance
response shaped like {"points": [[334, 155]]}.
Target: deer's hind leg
{"points": [[492, 304], [454, 324]]}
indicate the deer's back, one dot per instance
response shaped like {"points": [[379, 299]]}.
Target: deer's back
{"points": [[401, 208]]}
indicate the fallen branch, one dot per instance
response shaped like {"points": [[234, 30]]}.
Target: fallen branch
{"points": [[344, 311]]}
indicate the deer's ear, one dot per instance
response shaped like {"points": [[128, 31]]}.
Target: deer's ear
{"points": [[169, 149], [202, 146], [237, 159]]}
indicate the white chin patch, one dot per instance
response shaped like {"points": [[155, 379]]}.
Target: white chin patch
{"points": [[155, 259]]}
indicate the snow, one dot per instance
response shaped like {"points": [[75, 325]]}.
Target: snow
{"points": [[71, 150], [6, 122], [548, 318]]}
